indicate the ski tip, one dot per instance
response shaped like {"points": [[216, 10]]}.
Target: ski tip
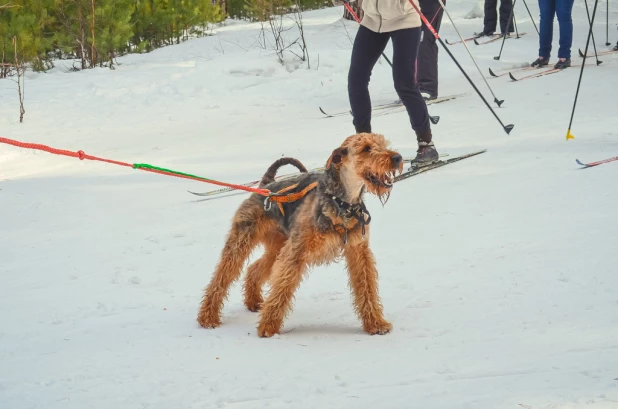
{"points": [[513, 78], [446, 41], [476, 42], [580, 52], [584, 165], [196, 194], [492, 73], [434, 119], [499, 102], [497, 58], [508, 129]]}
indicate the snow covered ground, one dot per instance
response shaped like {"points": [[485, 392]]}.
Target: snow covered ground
{"points": [[498, 273]]}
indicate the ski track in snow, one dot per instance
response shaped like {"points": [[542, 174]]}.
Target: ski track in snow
{"points": [[498, 272]]}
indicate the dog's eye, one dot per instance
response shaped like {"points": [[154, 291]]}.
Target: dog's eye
{"points": [[367, 149]]}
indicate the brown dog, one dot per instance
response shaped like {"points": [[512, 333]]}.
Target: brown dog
{"points": [[318, 217]]}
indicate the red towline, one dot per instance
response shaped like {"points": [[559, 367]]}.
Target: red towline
{"points": [[145, 167]]}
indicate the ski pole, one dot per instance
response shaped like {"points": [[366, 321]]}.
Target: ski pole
{"points": [[607, 24], [496, 100], [593, 42], [581, 72], [508, 25], [506, 128], [530, 14]]}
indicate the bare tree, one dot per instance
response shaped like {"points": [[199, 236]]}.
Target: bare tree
{"points": [[298, 19], [277, 29], [272, 15], [20, 82]]}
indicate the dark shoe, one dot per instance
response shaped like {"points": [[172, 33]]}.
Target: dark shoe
{"points": [[615, 48], [540, 62], [425, 155], [484, 34], [563, 63]]}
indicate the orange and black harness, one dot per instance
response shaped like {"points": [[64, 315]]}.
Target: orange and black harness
{"points": [[347, 210], [350, 211], [280, 197]]}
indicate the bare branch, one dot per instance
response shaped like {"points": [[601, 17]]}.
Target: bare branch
{"points": [[20, 82]]}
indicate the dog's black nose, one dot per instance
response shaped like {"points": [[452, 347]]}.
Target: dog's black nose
{"points": [[396, 159]]}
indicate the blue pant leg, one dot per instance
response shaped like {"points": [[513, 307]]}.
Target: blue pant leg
{"points": [[546, 30]]}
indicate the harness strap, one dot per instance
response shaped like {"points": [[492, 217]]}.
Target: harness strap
{"points": [[280, 198], [356, 211], [341, 229], [291, 197]]}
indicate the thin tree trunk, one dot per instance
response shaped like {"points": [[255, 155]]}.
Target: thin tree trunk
{"points": [[22, 111], [82, 34], [92, 57]]}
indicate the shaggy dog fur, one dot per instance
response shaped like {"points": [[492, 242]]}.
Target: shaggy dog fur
{"points": [[328, 221]]}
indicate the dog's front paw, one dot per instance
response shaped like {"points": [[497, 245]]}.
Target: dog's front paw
{"points": [[378, 328], [207, 320], [268, 329]]}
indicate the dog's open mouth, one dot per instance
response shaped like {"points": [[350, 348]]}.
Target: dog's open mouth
{"points": [[385, 181]]}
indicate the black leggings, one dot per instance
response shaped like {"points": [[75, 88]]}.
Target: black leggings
{"points": [[368, 46]]}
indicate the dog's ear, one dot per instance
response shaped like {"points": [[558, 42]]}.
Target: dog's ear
{"points": [[337, 157]]}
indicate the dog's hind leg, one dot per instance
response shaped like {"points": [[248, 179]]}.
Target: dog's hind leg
{"points": [[259, 271], [249, 223], [364, 285], [286, 275]]}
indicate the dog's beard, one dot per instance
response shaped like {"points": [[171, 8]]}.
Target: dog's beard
{"points": [[381, 184], [384, 197]]}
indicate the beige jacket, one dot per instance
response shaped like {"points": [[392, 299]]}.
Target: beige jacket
{"points": [[383, 16]]}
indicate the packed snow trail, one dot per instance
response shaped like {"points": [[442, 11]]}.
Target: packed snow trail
{"points": [[498, 273]]}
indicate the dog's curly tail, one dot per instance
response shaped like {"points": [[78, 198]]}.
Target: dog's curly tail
{"points": [[270, 174]]}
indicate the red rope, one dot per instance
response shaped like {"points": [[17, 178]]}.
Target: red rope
{"points": [[81, 155]]}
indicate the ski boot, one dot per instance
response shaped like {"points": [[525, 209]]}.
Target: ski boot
{"points": [[425, 155], [540, 62], [563, 63]]}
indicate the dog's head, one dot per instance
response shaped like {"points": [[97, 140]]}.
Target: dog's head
{"points": [[365, 160]]}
